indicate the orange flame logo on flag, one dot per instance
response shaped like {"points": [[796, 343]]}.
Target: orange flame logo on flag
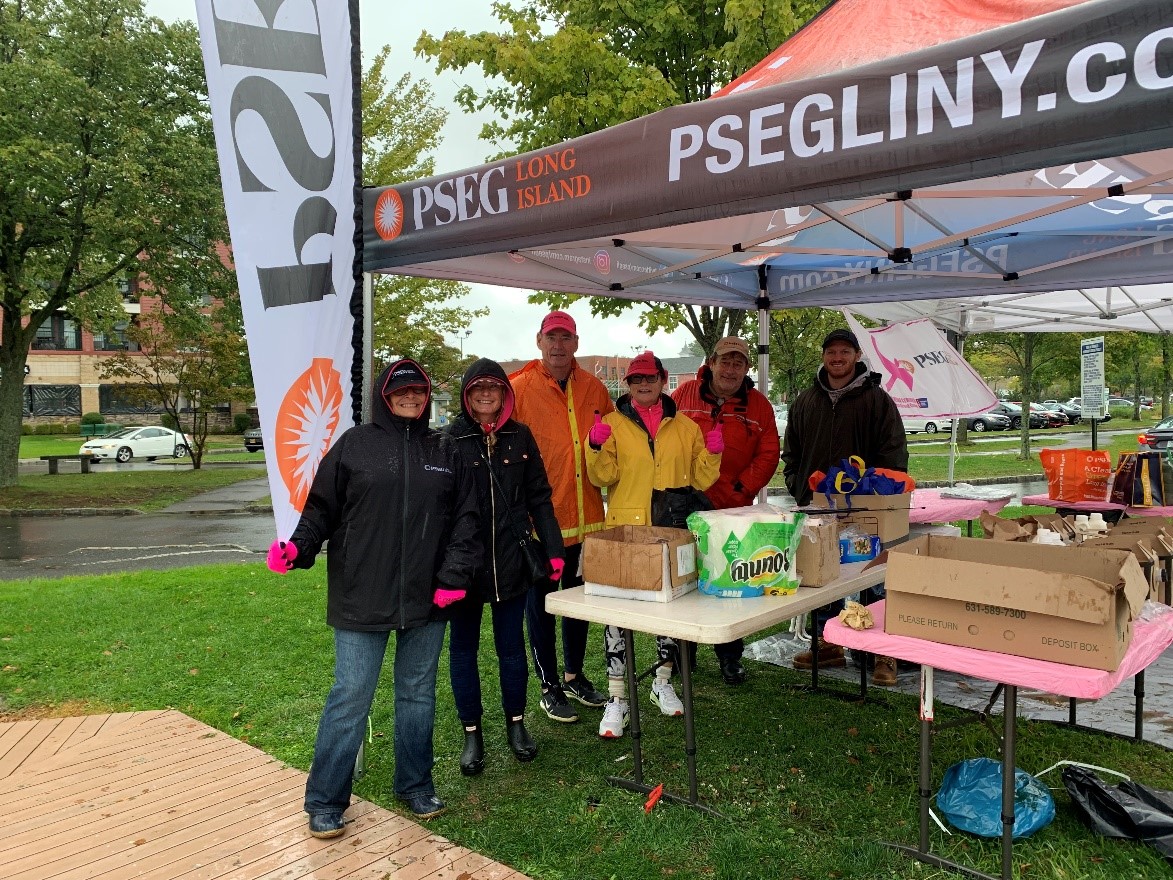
{"points": [[306, 422]]}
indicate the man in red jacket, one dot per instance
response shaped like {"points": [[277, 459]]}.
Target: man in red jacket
{"points": [[723, 394]]}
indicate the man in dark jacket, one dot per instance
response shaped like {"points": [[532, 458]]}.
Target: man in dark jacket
{"points": [[514, 501], [845, 412], [400, 512]]}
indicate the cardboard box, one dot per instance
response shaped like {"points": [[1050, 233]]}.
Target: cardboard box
{"points": [[1140, 546], [1047, 602], [817, 559], [887, 515], [650, 563], [1024, 528]]}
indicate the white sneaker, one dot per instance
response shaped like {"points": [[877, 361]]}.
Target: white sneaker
{"points": [[615, 719], [664, 696]]}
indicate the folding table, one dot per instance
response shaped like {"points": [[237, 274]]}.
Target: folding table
{"points": [[698, 618], [1149, 640]]}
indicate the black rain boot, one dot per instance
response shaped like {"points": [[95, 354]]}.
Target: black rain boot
{"points": [[472, 759], [524, 748]]}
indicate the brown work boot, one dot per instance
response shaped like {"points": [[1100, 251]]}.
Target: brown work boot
{"points": [[829, 656], [884, 675]]}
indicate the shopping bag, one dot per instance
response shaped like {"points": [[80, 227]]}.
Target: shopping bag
{"points": [[1148, 485], [1077, 474], [1123, 478]]}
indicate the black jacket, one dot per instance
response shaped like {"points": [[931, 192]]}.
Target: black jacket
{"points": [[819, 434], [396, 504], [522, 481]]}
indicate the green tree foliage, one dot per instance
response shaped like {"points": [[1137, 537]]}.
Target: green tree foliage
{"points": [[1034, 359], [1133, 365], [107, 168], [796, 348], [411, 316], [564, 68], [191, 359]]}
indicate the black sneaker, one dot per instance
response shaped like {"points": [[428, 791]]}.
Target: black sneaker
{"points": [[557, 707], [580, 688]]}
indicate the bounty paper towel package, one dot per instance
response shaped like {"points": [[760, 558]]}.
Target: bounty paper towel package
{"points": [[747, 551]]}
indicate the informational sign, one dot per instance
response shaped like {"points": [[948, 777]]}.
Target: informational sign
{"points": [[1093, 404]]}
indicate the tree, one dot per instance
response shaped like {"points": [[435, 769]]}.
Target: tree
{"points": [[796, 347], [1035, 359], [401, 126], [570, 67], [106, 151], [1132, 363], [193, 356]]}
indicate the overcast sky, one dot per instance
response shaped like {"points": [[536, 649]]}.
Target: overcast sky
{"points": [[508, 332]]}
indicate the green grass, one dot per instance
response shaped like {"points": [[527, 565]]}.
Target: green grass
{"points": [[139, 490], [807, 784]]}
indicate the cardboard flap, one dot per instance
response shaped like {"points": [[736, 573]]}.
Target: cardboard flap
{"points": [[847, 503]]}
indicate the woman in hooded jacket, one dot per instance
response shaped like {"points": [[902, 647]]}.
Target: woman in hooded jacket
{"points": [[514, 502], [396, 504]]}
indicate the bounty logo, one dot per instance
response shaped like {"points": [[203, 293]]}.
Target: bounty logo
{"points": [[765, 568]]}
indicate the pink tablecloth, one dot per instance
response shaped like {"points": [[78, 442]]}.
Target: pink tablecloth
{"points": [[929, 507], [1149, 640], [1091, 506]]}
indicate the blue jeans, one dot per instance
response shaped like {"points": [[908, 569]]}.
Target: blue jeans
{"points": [[540, 624], [358, 659], [509, 640]]}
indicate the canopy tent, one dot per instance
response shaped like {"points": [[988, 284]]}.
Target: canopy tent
{"points": [[903, 180]]}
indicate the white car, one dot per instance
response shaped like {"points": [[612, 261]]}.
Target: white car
{"points": [[149, 443], [929, 426]]}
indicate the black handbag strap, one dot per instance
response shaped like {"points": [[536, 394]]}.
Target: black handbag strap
{"points": [[505, 499]]}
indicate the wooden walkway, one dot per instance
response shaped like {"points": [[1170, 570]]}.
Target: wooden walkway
{"points": [[161, 795]]}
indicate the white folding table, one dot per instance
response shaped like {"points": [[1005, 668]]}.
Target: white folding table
{"points": [[698, 618]]}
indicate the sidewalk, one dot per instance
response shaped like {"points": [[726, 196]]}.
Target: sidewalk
{"points": [[238, 498]]}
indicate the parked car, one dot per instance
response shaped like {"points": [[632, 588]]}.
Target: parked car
{"points": [[1054, 418], [989, 421], [1013, 412], [150, 443], [1076, 403], [1159, 436], [253, 441], [1073, 413], [929, 426]]}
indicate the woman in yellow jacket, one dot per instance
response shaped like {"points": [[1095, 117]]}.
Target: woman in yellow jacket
{"points": [[642, 447]]}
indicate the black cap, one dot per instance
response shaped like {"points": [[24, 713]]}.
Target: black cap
{"points": [[406, 374], [841, 335]]}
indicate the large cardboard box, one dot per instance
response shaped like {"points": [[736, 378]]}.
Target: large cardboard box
{"points": [[817, 559], [1069, 605], [650, 563], [883, 515]]}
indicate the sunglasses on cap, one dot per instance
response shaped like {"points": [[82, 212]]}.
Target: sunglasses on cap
{"points": [[642, 380], [484, 383]]}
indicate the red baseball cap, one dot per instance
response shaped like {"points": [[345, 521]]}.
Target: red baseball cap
{"points": [[559, 321], [646, 364]]}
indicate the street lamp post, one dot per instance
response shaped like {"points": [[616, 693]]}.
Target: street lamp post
{"points": [[463, 335]]}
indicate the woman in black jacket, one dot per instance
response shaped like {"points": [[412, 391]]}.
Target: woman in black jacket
{"points": [[514, 501], [396, 504]]}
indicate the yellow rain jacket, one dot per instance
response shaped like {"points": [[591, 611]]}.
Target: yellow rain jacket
{"points": [[628, 469]]}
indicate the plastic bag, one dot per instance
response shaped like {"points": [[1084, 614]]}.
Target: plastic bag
{"points": [[970, 796], [1130, 810]]}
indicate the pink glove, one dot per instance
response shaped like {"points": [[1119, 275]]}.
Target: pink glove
{"points": [[599, 433], [281, 556], [444, 597], [556, 566], [715, 441]]}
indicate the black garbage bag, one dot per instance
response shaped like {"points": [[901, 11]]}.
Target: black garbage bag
{"points": [[1129, 810]]}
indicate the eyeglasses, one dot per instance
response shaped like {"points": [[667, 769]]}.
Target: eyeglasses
{"points": [[642, 380], [412, 390], [482, 386]]}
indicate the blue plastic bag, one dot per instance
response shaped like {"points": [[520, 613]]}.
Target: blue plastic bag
{"points": [[970, 797]]}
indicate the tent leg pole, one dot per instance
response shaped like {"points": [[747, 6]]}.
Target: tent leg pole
{"points": [[763, 304]]}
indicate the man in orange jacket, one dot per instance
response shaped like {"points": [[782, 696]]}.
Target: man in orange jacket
{"points": [[722, 394], [557, 400]]}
